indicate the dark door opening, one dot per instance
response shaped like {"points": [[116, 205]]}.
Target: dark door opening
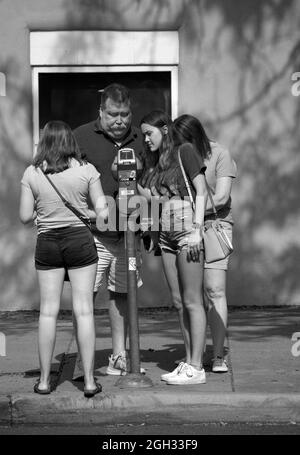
{"points": [[75, 97]]}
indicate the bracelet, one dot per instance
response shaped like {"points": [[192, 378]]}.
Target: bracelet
{"points": [[197, 226]]}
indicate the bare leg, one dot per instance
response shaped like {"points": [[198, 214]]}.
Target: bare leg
{"points": [[82, 283], [118, 314], [171, 273], [191, 276], [78, 371], [215, 296], [51, 286]]}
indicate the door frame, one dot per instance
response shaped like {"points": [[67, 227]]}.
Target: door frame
{"points": [[173, 69]]}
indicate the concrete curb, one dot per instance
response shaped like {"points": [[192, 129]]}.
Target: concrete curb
{"points": [[5, 409], [133, 405]]}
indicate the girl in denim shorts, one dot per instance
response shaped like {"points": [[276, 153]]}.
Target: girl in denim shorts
{"points": [[180, 236], [64, 242], [220, 172]]}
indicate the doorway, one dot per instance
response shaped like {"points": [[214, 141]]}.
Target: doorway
{"points": [[73, 94], [75, 97]]}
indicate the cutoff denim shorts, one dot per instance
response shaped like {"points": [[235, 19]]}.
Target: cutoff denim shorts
{"points": [[66, 247], [176, 226]]}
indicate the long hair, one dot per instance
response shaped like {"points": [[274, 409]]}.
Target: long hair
{"points": [[156, 163], [188, 128], [57, 146]]}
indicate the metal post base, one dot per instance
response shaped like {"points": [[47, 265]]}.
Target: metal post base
{"points": [[136, 380]]}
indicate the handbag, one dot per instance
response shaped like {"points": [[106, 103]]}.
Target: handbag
{"points": [[68, 204], [217, 245]]}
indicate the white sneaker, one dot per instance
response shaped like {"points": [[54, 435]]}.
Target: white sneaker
{"points": [[119, 365], [188, 375], [166, 376], [178, 361], [219, 365]]}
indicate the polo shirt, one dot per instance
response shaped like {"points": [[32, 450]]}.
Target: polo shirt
{"points": [[99, 149]]}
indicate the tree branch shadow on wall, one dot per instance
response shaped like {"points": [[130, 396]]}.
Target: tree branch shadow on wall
{"points": [[262, 271], [17, 241], [273, 196], [270, 188], [108, 15]]}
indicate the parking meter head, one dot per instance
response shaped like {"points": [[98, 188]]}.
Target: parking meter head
{"points": [[114, 166], [125, 169]]}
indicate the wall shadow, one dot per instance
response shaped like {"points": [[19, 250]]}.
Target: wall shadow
{"points": [[17, 279], [243, 53], [258, 117]]}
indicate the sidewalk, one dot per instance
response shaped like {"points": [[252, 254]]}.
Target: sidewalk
{"points": [[263, 383]]}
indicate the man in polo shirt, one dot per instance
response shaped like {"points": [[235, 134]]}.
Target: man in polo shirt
{"points": [[99, 142]]}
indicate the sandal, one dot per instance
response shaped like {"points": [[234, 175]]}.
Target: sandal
{"points": [[89, 393], [36, 389]]}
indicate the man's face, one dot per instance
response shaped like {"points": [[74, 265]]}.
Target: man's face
{"points": [[115, 118]]}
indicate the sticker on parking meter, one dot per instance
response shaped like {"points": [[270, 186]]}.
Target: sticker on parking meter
{"points": [[132, 263], [126, 192]]}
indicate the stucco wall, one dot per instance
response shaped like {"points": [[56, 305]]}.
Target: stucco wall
{"points": [[236, 62]]}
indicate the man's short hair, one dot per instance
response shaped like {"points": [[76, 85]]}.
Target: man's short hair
{"points": [[117, 93]]}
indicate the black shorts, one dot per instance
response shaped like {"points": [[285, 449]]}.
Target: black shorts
{"points": [[67, 247]]}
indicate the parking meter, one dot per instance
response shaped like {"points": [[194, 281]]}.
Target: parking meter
{"points": [[127, 173], [126, 168]]}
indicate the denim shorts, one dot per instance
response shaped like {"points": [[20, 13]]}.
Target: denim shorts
{"points": [[176, 226], [66, 247]]}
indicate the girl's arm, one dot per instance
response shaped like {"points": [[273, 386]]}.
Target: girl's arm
{"points": [[195, 237], [98, 200], [222, 194], [146, 192], [201, 199], [27, 205]]}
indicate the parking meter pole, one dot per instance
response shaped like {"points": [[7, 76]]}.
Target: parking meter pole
{"points": [[132, 303], [127, 177], [134, 378]]}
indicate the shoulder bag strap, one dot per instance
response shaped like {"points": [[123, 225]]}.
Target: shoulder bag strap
{"points": [[68, 204], [187, 184], [211, 199], [188, 187]]}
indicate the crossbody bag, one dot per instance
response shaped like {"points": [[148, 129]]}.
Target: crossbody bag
{"points": [[217, 245]]}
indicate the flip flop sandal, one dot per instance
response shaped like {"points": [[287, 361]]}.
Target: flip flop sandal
{"points": [[41, 391], [89, 393]]}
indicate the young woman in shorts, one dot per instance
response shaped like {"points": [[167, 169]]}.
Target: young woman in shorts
{"points": [[220, 172], [180, 237], [64, 242]]}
